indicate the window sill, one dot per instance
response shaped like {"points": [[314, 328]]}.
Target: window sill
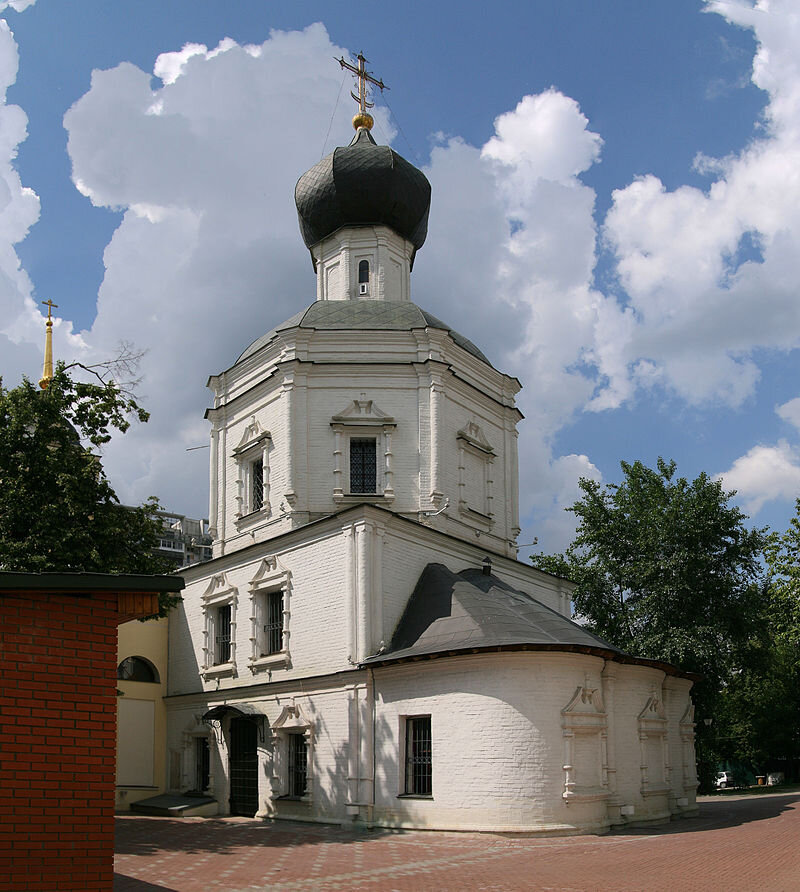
{"points": [[415, 796], [288, 798], [219, 671], [477, 516], [358, 498], [270, 661], [247, 520]]}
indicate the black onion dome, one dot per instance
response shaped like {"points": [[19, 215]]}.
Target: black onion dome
{"points": [[363, 184]]}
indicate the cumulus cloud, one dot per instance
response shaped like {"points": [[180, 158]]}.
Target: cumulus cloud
{"points": [[763, 474], [790, 412], [21, 322], [702, 306], [16, 5], [208, 254]]}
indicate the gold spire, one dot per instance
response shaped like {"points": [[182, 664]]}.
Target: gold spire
{"points": [[363, 118], [47, 368]]}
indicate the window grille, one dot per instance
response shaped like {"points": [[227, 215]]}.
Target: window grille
{"points": [[223, 636], [298, 764], [363, 465], [257, 480], [419, 762], [273, 628]]}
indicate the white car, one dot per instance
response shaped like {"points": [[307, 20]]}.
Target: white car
{"points": [[724, 780]]}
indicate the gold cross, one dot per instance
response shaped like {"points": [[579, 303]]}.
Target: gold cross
{"points": [[364, 77], [50, 305]]}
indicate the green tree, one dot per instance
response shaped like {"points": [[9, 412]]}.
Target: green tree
{"points": [[58, 511], [667, 569], [759, 708]]}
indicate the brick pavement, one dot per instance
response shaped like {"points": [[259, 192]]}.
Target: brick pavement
{"points": [[737, 844]]}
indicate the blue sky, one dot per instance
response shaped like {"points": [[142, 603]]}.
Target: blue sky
{"points": [[614, 219]]}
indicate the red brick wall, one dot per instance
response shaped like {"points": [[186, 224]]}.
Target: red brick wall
{"points": [[57, 741]]}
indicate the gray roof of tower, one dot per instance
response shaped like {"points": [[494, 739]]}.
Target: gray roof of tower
{"points": [[360, 185], [365, 315], [470, 610]]}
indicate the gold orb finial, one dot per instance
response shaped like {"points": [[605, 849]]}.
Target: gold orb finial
{"points": [[363, 119]]}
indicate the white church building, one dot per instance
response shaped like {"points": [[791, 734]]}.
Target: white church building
{"points": [[364, 645]]}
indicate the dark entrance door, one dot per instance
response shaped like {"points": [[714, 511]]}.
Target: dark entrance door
{"points": [[244, 768]]}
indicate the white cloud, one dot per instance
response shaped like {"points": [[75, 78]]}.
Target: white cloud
{"points": [[208, 254], [16, 5], [21, 322], [763, 474], [790, 412], [701, 308]]}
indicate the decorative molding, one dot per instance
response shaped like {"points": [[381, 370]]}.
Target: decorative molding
{"points": [[218, 593], [363, 412], [472, 434], [363, 418], [292, 720], [254, 444], [271, 576], [584, 725], [654, 746], [476, 507]]}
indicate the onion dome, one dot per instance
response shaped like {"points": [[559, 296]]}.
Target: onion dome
{"points": [[363, 184]]}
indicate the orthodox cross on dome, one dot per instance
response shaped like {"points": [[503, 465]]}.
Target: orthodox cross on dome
{"points": [[364, 77], [47, 368]]}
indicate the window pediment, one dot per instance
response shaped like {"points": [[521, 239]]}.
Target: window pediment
{"points": [[291, 720], [270, 574], [252, 437], [218, 590], [472, 434], [363, 412]]}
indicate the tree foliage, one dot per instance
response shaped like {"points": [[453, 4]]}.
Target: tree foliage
{"points": [[665, 568], [58, 511]]}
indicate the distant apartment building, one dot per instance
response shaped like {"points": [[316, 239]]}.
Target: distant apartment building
{"points": [[183, 539]]}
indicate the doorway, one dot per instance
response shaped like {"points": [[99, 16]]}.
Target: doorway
{"points": [[244, 767]]}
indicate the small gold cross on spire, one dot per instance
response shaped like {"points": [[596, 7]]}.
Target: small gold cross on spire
{"points": [[47, 368], [50, 306], [363, 118]]}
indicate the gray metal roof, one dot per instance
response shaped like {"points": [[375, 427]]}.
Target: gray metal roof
{"points": [[363, 184], [364, 315], [450, 612]]}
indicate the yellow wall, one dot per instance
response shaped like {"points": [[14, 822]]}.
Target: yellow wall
{"points": [[141, 715]]}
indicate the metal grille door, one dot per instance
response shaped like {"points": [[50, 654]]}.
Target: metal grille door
{"points": [[244, 768]]}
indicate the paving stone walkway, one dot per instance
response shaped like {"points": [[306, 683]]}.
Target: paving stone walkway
{"points": [[737, 844]]}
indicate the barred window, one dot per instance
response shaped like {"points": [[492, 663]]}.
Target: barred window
{"points": [[298, 764], [273, 627], [363, 272], [363, 464], [419, 762], [257, 484], [222, 651]]}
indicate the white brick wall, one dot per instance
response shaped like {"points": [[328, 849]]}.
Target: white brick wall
{"points": [[498, 743]]}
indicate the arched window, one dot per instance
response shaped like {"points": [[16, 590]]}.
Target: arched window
{"points": [[363, 272], [137, 669]]}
